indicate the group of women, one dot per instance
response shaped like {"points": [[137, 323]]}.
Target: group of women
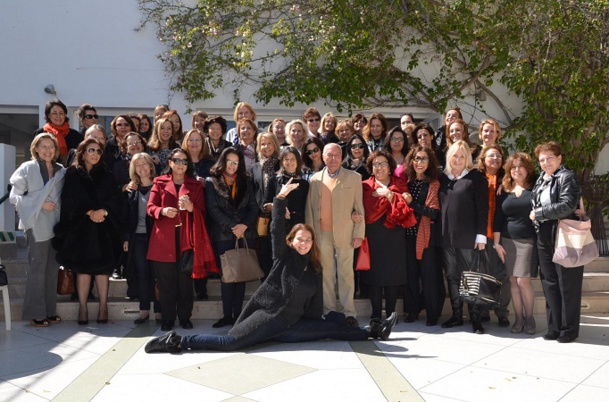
{"points": [[147, 197]]}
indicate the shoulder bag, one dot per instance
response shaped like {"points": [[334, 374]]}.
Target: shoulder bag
{"points": [[574, 244], [240, 265]]}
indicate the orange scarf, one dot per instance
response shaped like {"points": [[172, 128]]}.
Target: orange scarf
{"points": [[424, 231], [60, 133]]}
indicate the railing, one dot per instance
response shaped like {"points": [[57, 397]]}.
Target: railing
{"points": [[5, 196]]}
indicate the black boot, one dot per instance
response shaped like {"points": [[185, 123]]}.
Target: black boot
{"points": [[168, 343]]}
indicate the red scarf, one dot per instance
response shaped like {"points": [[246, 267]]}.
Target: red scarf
{"points": [[398, 212], [60, 133]]}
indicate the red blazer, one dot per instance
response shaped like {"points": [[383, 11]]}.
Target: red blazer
{"points": [[193, 234]]}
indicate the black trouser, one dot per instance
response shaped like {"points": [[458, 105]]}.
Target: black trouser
{"points": [[175, 291], [376, 299], [457, 260], [562, 286], [424, 288], [138, 249], [233, 294], [496, 268]]}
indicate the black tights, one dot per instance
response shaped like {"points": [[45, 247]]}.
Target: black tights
{"points": [[376, 299]]}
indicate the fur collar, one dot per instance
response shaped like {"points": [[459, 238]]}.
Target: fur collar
{"points": [[223, 191]]}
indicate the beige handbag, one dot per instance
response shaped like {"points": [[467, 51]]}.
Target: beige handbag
{"points": [[262, 226], [240, 265]]}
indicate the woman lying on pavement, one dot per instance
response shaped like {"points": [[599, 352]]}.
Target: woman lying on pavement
{"points": [[288, 306]]}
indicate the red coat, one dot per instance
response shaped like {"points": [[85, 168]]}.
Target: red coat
{"points": [[193, 234]]}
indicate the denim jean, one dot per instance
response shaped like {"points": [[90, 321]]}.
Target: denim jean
{"points": [[333, 327]]}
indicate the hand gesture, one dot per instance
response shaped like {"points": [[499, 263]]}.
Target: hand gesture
{"points": [[287, 188]]}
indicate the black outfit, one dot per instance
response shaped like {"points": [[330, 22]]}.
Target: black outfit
{"points": [[224, 213], [464, 204], [297, 198], [424, 287], [260, 189], [82, 245], [112, 153], [328, 137], [554, 198], [440, 138], [513, 222], [202, 167], [287, 307], [361, 168]]}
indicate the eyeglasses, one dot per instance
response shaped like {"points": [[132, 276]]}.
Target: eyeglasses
{"points": [[123, 125], [98, 151], [180, 161], [418, 159], [230, 162], [303, 241], [380, 165], [312, 151], [333, 156], [134, 143], [494, 156], [357, 146], [397, 139], [312, 120], [90, 116]]}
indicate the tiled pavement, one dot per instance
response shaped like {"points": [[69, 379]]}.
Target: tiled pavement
{"points": [[67, 362]]}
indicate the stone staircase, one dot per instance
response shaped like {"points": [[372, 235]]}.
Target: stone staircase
{"points": [[595, 293]]}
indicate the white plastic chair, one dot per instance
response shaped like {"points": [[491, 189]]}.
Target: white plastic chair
{"points": [[7, 306]]}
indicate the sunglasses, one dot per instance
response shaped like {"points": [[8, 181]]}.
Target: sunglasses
{"points": [[180, 161], [98, 151], [90, 116], [312, 151], [357, 146]]}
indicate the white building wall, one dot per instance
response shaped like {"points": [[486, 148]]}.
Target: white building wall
{"points": [[91, 52]]}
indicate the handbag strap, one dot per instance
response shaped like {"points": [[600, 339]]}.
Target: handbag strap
{"points": [[237, 244]]}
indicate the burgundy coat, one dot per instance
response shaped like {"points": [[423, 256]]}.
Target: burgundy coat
{"points": [[193, 234]]}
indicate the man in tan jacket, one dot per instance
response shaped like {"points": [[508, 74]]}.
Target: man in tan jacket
{"points": [[334, 194]]}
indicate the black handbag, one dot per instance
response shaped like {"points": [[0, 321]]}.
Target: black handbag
{"points": [[3, 276], [478, 288], [186, 261]]}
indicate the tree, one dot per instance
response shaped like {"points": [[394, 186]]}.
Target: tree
{"points": [[369, 53]]}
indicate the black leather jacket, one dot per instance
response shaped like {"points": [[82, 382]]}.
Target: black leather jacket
{"points": [[564, 194]]}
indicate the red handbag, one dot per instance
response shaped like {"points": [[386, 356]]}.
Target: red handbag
{"points": [[363, 258]]}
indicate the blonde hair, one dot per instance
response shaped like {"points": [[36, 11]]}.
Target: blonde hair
{"points": [[135, 178], [38, 139], [493, 123], [288, 129], [248, 107], [269, 136], [453, 149]]}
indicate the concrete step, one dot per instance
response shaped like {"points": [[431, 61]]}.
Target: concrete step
{"points": [[127, 310]]}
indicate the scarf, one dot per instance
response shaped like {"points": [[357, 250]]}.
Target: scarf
{"points": [[424, 231], [397, 211], [60, 133], [268, 168], [231, 182]]}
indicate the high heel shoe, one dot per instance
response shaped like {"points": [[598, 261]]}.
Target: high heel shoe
{"points": [[99, 314], [141, 320], [530, 328], [86, 315]]}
